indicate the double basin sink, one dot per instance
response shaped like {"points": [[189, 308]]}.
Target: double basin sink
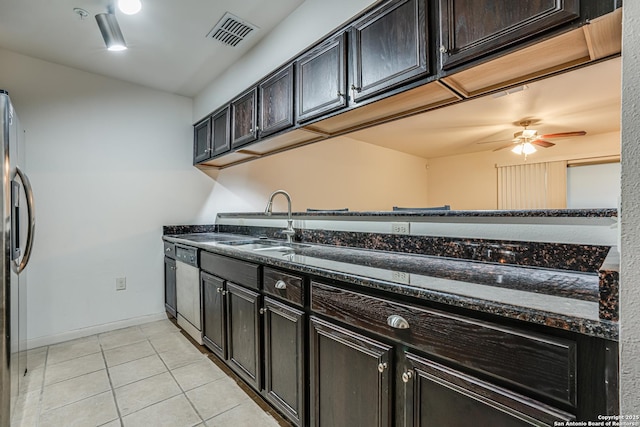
{"points": [[268, 247], [249, 244]]}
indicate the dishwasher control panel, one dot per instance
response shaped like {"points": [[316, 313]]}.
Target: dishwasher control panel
{"points": [[187, 255]]}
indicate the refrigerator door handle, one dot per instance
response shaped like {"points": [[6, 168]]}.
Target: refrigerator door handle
{"points": [[32, 221]]}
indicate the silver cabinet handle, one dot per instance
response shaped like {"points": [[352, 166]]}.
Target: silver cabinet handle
{"points": [[168, 250], [382, 366], [354, 90], [406, 376], [263, 310], [443, 49], [398, 322], [32, 221], [281, 284]]}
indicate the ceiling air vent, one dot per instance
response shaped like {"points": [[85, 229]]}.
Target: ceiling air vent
{"points": [[232, 30]]}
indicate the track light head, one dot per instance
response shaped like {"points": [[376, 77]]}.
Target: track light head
{"points": [[111, 32]]}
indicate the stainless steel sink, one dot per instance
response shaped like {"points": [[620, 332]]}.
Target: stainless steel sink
{"points": [[260, 245]]}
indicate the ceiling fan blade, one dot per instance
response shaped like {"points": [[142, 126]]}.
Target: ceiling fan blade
{"points": [[563, 134], [542, 143], [511, 144]]}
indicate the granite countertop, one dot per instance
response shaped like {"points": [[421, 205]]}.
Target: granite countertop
{"points": [[417, 213], [560, 299]]}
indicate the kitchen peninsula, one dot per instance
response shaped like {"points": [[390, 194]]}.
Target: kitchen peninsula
{"points": [[523, 332]]}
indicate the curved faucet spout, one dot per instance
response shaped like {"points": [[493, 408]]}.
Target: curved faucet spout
{"points": [[289, 231]]}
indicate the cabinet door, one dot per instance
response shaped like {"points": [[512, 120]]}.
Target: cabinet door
{"points": [[321, 83], [284, 359], [202, 141], [276, 102], [213, 316], [244, 119], [170, 285], [220, 132], [388, 47], [350, 378], [472, 28], [243, 331], [439, 396]]}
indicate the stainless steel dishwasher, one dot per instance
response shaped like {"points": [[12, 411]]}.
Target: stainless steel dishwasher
{"points": [[188, 291]]}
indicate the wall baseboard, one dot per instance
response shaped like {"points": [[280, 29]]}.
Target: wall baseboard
{"points": [[92, 330]]}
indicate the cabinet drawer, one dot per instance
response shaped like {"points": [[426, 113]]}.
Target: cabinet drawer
{"points": [[170, 250], [243, 273], [283, 285], [542, 364]]}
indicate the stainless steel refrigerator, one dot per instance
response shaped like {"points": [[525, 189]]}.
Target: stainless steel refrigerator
{"points": [[16, 239]]}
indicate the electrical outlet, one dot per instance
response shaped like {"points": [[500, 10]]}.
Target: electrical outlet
{"points": [[400, 228], [400, 277], [121, 283]]}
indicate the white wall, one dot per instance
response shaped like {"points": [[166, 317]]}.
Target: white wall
{"points": [[311, 21], [630, 212], [333, 174], [110, 163]]}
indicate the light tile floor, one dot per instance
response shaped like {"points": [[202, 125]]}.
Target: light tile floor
{"points": [[147, 375]]}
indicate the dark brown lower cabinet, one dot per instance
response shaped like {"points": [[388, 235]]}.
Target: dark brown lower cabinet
{"points": [[170, 286], [350, 378], [436, 395], [243, 332], [214, 330], [284, 358]]}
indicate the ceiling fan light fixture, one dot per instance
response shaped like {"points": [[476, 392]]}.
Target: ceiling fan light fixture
{"points": [[129, 7], [111, 33], [525, 148]]}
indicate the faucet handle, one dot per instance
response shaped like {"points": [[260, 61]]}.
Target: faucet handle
{"points": [[290, 233]]}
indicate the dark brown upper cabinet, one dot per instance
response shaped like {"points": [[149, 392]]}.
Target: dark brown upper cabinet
{"points": [[471, 29], [244, 118], [276, 102], [202, 141], [388, 47], [321, 79], [220, 132]]}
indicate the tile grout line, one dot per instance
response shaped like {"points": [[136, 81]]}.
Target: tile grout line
{"points": [[224, 412], [179, 386], [44, 373], [113, 391]]}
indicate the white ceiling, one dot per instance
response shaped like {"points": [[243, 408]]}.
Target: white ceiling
{"points": [[585, 99], [168, 48]]}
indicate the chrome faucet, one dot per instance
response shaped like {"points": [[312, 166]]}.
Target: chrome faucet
{"points": [[289, 231]]}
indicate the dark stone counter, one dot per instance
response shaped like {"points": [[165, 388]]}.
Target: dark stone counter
{"points": [[567, 300], [530, 213]]}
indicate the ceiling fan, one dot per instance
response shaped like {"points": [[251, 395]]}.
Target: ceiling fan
{"points": [[524, 141]]}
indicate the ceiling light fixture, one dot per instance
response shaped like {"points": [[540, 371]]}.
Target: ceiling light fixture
{"points": [[129, 7], [525, 148], [111, 32]]}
